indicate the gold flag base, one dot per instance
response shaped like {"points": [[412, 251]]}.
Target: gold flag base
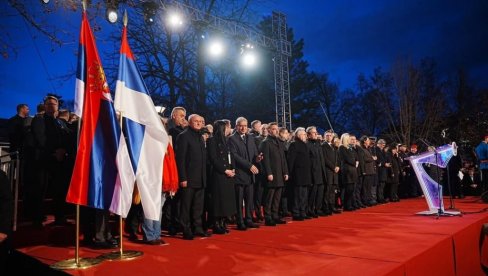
{"points": [[83, 263], [121, 256]]}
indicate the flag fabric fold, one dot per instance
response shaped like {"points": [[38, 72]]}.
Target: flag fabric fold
{"points": [[145, 134], [102, 153], [80, 75]]}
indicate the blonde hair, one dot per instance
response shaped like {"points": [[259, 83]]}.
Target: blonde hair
{"points": [[345, 140]]}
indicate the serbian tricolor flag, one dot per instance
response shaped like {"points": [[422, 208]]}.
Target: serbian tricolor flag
{"points": [[102, 153], [145, 134], [80, 73]]}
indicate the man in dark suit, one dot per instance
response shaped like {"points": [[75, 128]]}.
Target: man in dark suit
{"points": [[259, 186], [276, 173], [300, 166], [17, 128], [331, 161], [247, 157], [381, 164], [316, 191], [191, 161], [171, 207]]}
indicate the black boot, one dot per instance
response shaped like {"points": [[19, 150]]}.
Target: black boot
{"points": [[218, 229]]}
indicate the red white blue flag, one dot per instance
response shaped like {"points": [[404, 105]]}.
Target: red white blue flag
{"points": [[102, 152], [145, 134]]}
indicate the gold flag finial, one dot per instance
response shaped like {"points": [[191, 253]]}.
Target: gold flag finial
{"points": [[83, 2], [125, 18]]}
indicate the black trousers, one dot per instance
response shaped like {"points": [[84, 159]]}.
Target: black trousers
{"points": [[244, 194], [366, 196], [357, 191], [381, 191], [102, 225], [191, 208], [394, 190], [134, 219], [300, 194], [171, 213], [348, 195], [258, 196], [484, 180], [329, 198], [272, 203]]}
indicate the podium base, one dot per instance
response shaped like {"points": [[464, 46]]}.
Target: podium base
{"points": [[435, 213]]}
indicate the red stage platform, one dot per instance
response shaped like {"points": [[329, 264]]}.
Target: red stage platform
{"points": [[382, 240]]}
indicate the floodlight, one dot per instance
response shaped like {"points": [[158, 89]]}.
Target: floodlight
{"points": [[249, 59], [175, 20], [216, 48], [111, 10], [111, 15]]}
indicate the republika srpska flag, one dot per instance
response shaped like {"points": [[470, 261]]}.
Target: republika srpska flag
{"points": [[102, 152], [145, 134]]}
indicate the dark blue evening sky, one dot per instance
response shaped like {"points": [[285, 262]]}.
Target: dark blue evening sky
{"points": [[342, 38]]}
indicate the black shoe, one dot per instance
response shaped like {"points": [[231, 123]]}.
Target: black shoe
{"points": [[269, 222], [172, 231], [103, 245], [218, 230], [187, 236], [60, 223], [241, 227], [295, 218], [133, 237], [322, 214], [203, 234], [252, 225], [279, 221], [306, 217], [155, 242], [336, 211]]}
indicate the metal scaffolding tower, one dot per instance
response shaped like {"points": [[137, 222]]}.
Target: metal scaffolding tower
{"points": [[281, 72], [279, 44]]}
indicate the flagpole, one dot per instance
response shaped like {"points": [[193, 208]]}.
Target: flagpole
{"points": [[77, 262], [121, 254]]}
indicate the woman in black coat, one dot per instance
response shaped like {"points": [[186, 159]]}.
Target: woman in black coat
{"points": [[300, 167], [222, 191]]}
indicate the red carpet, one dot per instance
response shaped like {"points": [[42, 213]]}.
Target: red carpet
{"points": [[382, 240]]}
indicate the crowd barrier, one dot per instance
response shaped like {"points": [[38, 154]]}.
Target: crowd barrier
{"points": [[10, 164]]}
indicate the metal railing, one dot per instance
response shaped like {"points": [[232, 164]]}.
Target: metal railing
{"points": [[10, 164]]}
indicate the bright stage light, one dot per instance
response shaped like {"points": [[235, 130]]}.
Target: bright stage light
{"points": [[216, 48], [112, 15], [45, 1], [249, 59], [175, 20], [111, 11]]}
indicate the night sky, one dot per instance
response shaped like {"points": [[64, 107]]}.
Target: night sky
{"points": [[342, 38]]}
